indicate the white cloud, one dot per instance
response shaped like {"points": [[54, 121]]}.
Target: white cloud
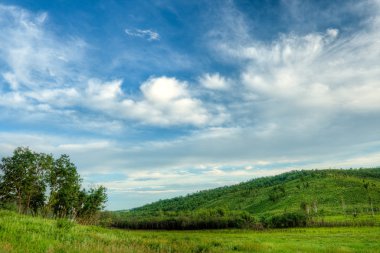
{"points": [[38, 69], [168, 101], [104, 91], [164, 90], [13, 100], [75, 147], [333, 33], [165, 101], [317, 70], [214, 81], [33, 56], [57, 97], [104, 95], [302, 81], [11, 79], [146, 34]]}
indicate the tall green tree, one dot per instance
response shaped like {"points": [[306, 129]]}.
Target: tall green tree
{"points": [[36, 181], [65, 184], [23, 179], [90, 203]]}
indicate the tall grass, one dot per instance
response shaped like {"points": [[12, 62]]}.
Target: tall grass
{"points": [[20, 233]]}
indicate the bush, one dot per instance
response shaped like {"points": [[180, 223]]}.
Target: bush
{"points": [[201, 219], [286, 220], [10, 206]]}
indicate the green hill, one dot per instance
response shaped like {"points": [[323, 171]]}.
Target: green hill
{"points": [[324, 192]]}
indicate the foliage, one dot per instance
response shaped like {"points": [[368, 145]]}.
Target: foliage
{"points": [[90, 203], [24, 179], [276, 193], [37, 183], [201, 219], [65, 187], [285, 220]]}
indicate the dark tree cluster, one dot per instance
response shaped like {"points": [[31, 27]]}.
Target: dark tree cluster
{"points": [[285, 220], [277, 193], [201, 219], [36, 183]]}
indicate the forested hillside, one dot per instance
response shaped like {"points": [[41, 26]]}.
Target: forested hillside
{"points": [[294, 197], [330, 191]]}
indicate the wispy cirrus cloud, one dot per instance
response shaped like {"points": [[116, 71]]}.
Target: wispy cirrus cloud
{"points": [[145, 34], [307, 79], [32, 56]]}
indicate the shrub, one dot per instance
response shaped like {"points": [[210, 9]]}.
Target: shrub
{"points": [[202, 219], [286, 220]]}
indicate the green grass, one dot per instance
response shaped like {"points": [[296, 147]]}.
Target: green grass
{"points": [[20, 233]]}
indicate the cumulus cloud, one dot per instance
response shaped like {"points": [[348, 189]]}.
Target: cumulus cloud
{"points": [[145, 34], [165, 101], [168, 100], [103, 94]]}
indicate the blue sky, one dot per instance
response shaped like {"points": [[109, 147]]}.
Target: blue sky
{"points": [[155, 99]]}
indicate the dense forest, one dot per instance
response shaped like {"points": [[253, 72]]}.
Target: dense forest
{"points": [[37, 184]]}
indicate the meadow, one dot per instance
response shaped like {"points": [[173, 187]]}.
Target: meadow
{"points": [[20, 233]]}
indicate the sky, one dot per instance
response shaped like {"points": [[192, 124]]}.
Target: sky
{"points": [[156, 99]]}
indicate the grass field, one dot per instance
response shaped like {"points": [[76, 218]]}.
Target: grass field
{"points": [[32, 234]]}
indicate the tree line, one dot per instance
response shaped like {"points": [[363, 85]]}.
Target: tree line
{"points": [[211, 218], [218, 218], [38, 184]]}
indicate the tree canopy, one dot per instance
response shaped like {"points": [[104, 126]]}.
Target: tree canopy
{"points": [[37, 183]]}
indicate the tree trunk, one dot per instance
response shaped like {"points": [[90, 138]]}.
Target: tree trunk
{"points": [[27, 204], [370, 201], [19, 201]]}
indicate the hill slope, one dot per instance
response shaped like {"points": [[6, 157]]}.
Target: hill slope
{"points": [[327, 192]]}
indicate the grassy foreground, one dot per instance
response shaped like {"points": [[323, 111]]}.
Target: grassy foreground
{"points": [[30, 234]]}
